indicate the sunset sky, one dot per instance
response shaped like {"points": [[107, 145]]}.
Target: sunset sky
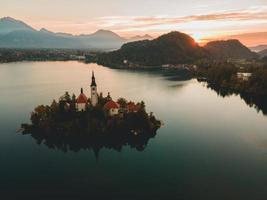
{"points": [[203, 19]]}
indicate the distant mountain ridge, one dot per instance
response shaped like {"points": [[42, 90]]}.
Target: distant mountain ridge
{"points": [[8, 24], [259, 48], [17, 34], [140, 37]]}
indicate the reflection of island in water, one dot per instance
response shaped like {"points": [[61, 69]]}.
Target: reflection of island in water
{"points": [[73, 124], [259, 102], [96, 141]]}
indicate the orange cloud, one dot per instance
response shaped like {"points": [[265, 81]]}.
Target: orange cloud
{"points": [[140, 22]]}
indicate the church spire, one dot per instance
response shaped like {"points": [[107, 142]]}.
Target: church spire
{"points": [[94, 96], [93, 83]]}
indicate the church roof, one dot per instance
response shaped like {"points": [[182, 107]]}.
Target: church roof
{"points": [[93, 83], [111, 105], [132, 107], [82, 98]]}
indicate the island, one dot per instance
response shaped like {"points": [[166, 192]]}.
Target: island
{"points": [[83, 123]]}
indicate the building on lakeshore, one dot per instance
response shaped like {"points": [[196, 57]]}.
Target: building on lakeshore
{"points": [[243, 76]]}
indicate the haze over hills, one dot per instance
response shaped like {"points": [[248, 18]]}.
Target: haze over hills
{"points": [[259, 48], [17, 34]]}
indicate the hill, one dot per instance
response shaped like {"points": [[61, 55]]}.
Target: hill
{"points": [[171, 48], [229, 49], [102, 39], [37, 39]]}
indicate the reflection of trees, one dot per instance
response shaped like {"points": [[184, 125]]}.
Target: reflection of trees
{"points": [[75, 142], [258, 102]]}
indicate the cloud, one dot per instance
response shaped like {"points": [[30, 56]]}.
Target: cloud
{"points": [[140, 22]]}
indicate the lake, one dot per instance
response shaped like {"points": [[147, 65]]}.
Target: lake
{"points": [[210, 147]]}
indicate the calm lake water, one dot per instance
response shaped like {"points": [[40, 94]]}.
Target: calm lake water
{"points": [[209, 148]]}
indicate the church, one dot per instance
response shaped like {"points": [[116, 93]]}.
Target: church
{"points": [[82, 101]]}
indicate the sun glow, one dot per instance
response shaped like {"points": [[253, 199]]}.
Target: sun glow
{"points": [[203, 38]]}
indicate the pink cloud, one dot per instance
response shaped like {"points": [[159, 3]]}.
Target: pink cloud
{"points": [[121, 22]]}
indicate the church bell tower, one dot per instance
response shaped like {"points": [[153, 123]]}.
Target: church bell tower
{"points": [[94, 96]]}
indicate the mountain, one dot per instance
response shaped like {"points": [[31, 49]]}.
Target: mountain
{"points": [[103, 39], [258, 48], [38, 39], [64, 34], [105, 34], [229, 49], [140, 37], [43, 30], [8, 24], [171, 48], [17, 34]]}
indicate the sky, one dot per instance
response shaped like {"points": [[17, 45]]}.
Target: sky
{"points": [[204, 20]]}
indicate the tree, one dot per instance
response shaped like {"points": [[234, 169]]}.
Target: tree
{"points": [[54, 107], [122, 102], [73, 103], [65, 97], [258, 82], [143, 106], [221, 73]]}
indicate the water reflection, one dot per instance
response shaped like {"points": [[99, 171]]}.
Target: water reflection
{"points": [[76, 142], [257, 102]]}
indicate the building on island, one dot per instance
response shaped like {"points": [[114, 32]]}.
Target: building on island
{"points": [[81, 102], [132, 107], [112, 108]]}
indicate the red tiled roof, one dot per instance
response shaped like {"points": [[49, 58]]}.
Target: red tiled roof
{"points": [[82, 98], [133, 107], [111, 105]]}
